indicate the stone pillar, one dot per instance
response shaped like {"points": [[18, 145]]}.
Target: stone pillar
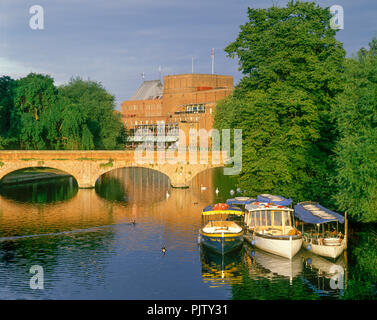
{"points": [[178, 181]]}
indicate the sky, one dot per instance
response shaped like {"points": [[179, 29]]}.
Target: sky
{"points": [[114, 41]]}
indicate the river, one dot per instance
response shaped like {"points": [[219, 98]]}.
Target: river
{"points": [[105, 243]]}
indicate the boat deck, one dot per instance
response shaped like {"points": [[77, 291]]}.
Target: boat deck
{"points": [[222, 226]]}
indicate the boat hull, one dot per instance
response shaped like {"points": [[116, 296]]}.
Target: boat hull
{"points": [[221, 242], [325, 251], [286, 247]]}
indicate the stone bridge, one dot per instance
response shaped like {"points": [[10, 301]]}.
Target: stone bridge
{"points": [[87, 166]]}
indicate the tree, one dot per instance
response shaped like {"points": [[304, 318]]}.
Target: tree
{"points": [[7, 86], [34, 114], [356, 149], [292, 66], [35, 95], [89, 120]]}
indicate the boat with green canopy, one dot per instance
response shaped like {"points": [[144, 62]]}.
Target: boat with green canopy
{"points": [[322, 229]]}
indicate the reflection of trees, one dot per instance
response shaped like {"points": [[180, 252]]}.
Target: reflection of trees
{"points": [[223, 183], [134, 185], [111, 189], [44, 191], [362, 275]]}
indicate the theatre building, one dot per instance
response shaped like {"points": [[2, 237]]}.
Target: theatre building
{"points": [[182, 102]]}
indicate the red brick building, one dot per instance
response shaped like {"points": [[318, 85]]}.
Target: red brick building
{"points": [[184, 101]]}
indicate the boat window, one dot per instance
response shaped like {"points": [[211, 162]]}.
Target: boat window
{"points": [[263, 218], [286, 218], [277, 218], [269, 218], [251, 219], [257, 218]]}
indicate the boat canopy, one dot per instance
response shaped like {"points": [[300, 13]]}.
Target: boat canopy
{"points": [[239, 200], [313, 212], [261, 206], [227, 209], [278, 200]]}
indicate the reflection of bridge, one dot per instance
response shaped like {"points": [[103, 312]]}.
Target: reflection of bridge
{"points": [[87, 166]]}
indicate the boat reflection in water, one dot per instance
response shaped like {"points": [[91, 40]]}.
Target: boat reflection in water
{"points": [[313, 274], [263, 264], [325, 277], [221, 269]]}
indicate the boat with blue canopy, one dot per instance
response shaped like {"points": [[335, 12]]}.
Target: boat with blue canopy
{"points": [[278, 200], [271, 227], [222, 229], [321, 229], [240, 201]]}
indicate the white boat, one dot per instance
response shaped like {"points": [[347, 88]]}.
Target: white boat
{"points": [[320, 228], [270, 227]]}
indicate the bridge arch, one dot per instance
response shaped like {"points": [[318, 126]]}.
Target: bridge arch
{"points": [[87, 166], [14, 169], [131, 167]]}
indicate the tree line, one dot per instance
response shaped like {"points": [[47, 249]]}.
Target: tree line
{"points": [[37, 115], [308, 113]]}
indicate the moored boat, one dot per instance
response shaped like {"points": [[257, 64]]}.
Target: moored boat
{"points": [[240, 202], [320, 228], [270, 227], [278, 200], [222, 229]]}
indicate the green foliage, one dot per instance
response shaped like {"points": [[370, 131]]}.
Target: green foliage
{"points": [[356, 150], [362, 273], [7, 87], [89, 120], [107, 164], [34, 96], [292, 65], [34, 114]]}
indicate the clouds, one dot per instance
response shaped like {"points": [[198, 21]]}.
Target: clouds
{"points": [[114, 41]]}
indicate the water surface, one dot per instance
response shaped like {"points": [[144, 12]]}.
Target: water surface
{"points": [[89, 247]]}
